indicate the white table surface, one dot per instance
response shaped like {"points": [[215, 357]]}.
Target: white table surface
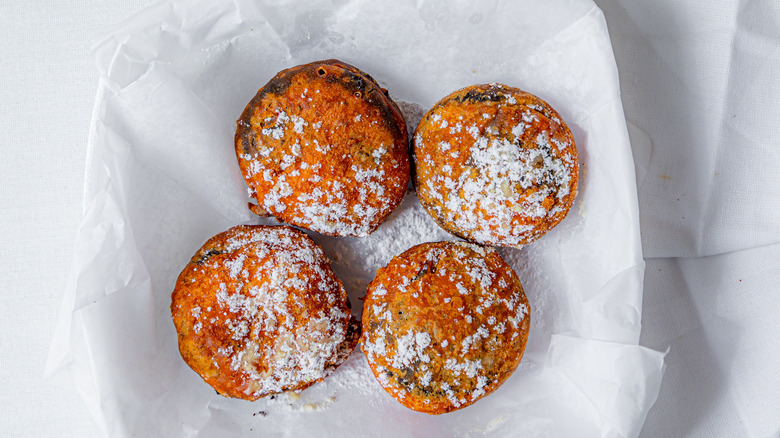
{"points": [[47, 89], [48, 84]]}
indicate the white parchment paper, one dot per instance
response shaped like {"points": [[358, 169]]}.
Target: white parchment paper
{"points": [[162, 178]]}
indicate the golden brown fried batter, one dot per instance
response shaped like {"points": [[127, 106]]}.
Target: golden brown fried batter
{"points": [[444, 324], [322, 146], [259, 311], [495, 165]]}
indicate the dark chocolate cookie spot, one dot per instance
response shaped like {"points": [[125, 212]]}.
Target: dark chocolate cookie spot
{"points": [[475, 96], [207, 255]]}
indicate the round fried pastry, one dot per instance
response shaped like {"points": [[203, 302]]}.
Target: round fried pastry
{"points": [[495, 165], [259, 311], [322, 146], [444, 324]]}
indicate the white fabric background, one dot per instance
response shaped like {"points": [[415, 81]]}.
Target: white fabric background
{"points": [[700, 81], [47, 87]]}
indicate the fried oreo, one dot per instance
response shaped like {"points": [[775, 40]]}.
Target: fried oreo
{"points": [[322, 146], [259, 311], [444, 324], [495, 165]]}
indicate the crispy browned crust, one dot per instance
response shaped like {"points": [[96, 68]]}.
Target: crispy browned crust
{"points": [[259, 311], [324, 147], [495, 165], [444, 324]]}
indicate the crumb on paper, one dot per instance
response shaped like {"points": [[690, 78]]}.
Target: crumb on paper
{"points": [[295, 402], [496, 422]]}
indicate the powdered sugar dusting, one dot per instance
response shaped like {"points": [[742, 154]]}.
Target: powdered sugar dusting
{"points": [[455, 355], [339, 173], [355, 261], [513, 178], [282, 309]]}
